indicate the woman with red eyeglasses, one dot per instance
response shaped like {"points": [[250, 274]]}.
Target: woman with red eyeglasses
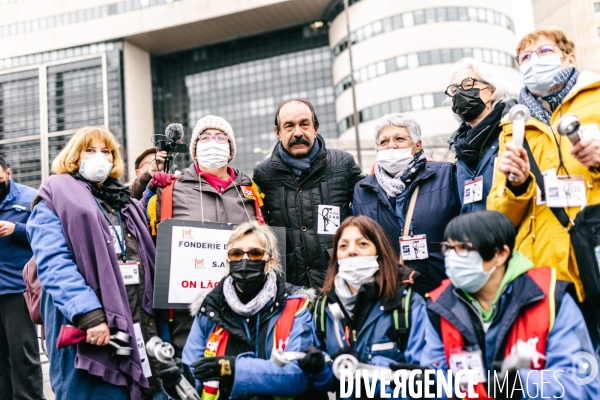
{"points": [[249, 315]]}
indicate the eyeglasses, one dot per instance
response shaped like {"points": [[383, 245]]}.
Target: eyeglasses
{"points": [[461, 248], [255, 254], [542, 51], [466, 84], [206, 138]]}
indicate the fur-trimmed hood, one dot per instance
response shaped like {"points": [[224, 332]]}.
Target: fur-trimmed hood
{"points": [[290, 290]]}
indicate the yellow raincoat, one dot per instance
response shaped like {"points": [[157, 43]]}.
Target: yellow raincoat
{"points": [[540, 237]]}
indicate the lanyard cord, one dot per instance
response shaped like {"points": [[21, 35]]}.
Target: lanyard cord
{"points": [[117, 236], [560, 157], [241, 199]]}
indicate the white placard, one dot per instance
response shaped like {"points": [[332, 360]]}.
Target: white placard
{"points": [[198, 258], [139, 339], [328, 219]]}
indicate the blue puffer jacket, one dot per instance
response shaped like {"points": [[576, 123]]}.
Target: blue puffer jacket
{"points": [[255, 375], [373, 343], [15, 208], [437, 203], [567, 337]]}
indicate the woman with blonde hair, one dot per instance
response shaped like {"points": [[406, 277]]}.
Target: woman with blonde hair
{"points": [[237, 327], [95, 262]]}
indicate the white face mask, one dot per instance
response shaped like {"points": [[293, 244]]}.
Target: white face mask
{"points": [[357, 271], [212, 155], [394, 160], [96, 168], [538, 73], [467, 273]]}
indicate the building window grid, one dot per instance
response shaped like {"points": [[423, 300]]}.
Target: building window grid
{"points": [[424, 58], [78, 16], [425, 16], [75, 99], [405, 104], [597, 7]]}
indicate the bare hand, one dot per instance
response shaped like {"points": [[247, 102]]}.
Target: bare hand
{"points": [[6, 228], [157, 163], [587, 152], [514, 160], [99, 335]]}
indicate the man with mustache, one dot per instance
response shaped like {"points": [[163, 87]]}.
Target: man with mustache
{"points": [[300, 180]]}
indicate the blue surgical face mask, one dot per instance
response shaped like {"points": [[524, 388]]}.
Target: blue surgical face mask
{"points": [[467, 272], [538, 73]]}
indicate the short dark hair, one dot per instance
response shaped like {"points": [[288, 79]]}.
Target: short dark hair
{"points": [[308, 103], [488, 231], [3, 163], [388, 276]]}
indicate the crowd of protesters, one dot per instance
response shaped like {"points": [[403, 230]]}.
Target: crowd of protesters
{"points": [[428, 263]]}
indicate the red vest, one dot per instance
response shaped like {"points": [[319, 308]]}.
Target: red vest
{"points": [[533, 324], [217, 341]]}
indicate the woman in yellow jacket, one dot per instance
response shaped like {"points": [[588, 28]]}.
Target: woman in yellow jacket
{"points": [[552, 88]]}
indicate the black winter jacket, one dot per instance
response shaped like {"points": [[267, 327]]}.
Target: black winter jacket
{"points": [[294, 205]]}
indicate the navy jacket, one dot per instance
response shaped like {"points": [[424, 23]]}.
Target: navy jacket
{"points": [[437, 203], [15, 208], [485, 168]]}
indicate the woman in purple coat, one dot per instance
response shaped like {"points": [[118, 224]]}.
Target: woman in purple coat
{"points": [[95, 262]]}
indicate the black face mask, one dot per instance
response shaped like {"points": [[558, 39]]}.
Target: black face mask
{"points": [[248, 275], [3, 190], [467, 104]]}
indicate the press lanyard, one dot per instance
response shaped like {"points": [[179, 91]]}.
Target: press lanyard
{"points": [[117, 236]]}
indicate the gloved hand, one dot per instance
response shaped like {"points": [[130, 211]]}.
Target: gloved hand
{"points": [[161, 179], [220, 368], [347, 350], [170, 372], [313, 362]]}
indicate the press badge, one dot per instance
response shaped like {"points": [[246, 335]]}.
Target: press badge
{"points": [[413, 247], [116, 240], [564, 191], [473, 190], [139, 339], [468, 361], [130, 272]]}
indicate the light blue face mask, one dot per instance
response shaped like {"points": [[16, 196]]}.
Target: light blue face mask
{"points": [[538, 73], [467, 272]]}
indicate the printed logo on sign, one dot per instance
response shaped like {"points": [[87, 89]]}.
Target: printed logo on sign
{"points": [[199, 264], [328, 219], [405, 249], [553, 192], [186, 234], [467, 192], [248, 194]]}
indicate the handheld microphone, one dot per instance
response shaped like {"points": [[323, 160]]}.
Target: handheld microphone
{"points": [[518, 115], [569, 126], [174, 132]]}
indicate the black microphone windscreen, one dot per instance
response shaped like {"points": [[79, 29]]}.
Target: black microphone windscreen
{"points": [[174, 132]]}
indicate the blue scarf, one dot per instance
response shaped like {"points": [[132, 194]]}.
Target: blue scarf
{"points": [[300, 166], [542, 108]]}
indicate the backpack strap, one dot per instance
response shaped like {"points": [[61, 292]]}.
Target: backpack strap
{"points": [[166, 201], [319, 317], [401, 320]]}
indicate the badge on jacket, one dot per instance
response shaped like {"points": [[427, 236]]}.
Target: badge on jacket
{"points": [[328, 219]]}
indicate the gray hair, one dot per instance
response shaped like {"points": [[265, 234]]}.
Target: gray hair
{"points": [[487, 73], [265, 236], [401, 120]]}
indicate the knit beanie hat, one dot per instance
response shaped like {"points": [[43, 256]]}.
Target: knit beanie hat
{"points": [[212, 122]]}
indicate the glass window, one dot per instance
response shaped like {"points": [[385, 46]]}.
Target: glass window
{"points": [[416, 102], [368, 30], [381, 70], [419, 17], [23, 158], [405, 104], [424, 58], [385, 108], [478, 54], [452, 13], [397, 21], [390, 65], [599, 31], [487, 55], [377, 27], [490, 17], [495, 57], [456, 54], [412, 60], [472, 13], [387, 24], [430, 15], [401, 62], [597, 7], [481, 14], [408, 19], [446, 55], [428, 101], [372, 71], [435, 57], [395, 106]]}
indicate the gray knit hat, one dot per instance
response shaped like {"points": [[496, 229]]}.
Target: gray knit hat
{"points": [[212, 122]]}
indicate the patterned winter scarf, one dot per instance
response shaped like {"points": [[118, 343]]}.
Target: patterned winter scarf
{"points": [[542, 108], [251, 308], [396, 185]]}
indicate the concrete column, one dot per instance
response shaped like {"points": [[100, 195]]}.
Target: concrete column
{"points": [[139, 117]]}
